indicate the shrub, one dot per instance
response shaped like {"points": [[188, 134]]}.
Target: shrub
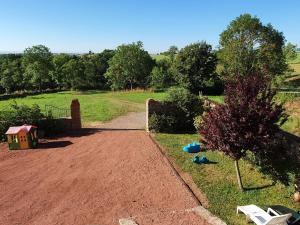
{"points": [[179, 110], [18, 115], [161, 123]]}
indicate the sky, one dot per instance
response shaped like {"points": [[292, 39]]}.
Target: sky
{"points": [[77, 26]]}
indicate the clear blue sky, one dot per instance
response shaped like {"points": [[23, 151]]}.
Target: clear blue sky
{"points": [[83, 25]]}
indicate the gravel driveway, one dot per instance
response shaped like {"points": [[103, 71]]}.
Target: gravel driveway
{"points": [[96, 178]]}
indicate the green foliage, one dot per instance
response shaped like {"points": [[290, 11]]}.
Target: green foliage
{"points": [[161, 75], [18, 115], [161, 123], [178, 112], [11, 73], [195, 65], [130, 67], [289, 52], [37, 62], [248, 46], [59, 75]]}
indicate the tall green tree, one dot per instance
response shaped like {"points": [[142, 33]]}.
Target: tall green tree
{"points": [[161, 75], [74, 72], [58, 73], [247, 45], [289, 51], [11, 72], [37, 61], [101, 62], [195, 65], [172, 51], [130, 67]]}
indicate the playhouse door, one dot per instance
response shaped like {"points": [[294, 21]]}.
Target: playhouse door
{"points": [[23, 141]]}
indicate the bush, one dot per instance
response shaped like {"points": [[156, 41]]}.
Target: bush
{"points": [[161, 123], [17, 115], [49, 126], [178, 113]]}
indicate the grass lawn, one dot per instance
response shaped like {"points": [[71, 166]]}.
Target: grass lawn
{"points": [[218, 181], [96, 106], [159, 57], [216, 98], [297, 60]]}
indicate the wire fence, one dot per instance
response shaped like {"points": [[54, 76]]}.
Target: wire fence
{"points": [[57, 112]]}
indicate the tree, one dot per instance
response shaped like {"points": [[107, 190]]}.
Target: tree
{"points": [[248, 121], [37, 62], [101, 62], [172, 51], [290, 52], [11, 74], [195, 65], [161, 75], [74, 71], [130, 67], [57, 73], [248, 46]]}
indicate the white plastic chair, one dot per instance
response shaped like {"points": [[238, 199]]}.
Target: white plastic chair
{"points": [[261, 217]]}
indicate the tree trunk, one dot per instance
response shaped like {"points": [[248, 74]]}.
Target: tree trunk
{"points": [[238, 175]]}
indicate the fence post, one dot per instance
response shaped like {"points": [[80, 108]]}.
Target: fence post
{"points": [[75, 114]]}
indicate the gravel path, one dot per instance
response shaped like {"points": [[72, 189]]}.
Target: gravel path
{"points": [[133, 120], [96, 178]]}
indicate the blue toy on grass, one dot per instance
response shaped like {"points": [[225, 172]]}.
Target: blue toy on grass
{"points": [[192, 148], [203, 159]]}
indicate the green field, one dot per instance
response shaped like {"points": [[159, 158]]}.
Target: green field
{"points": [[159, 57], [297, 60], [218, 180], [293, 81], [96, 106]]}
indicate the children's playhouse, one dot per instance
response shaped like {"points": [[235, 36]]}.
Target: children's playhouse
{"points": [[22, 137]]}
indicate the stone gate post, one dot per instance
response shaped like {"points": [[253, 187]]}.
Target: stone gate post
{"points": [[75, 114]]}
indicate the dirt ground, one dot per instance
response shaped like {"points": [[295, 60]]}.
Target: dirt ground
{"points": [[96, 178]]}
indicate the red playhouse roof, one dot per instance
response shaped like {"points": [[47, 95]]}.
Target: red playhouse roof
{"points": [[15, 130]]}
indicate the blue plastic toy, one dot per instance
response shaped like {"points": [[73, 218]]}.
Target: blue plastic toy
{"points": [[203, 159], [192, 148]]}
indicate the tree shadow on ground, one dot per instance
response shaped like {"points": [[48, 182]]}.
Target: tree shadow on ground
{"points": [[75, 133], [259, 188], [293, 83], [283, 160]]}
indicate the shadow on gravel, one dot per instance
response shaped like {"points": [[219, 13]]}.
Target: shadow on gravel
{"points": [[54, 144], [119, 129]]}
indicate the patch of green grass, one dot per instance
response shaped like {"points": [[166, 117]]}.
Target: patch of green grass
{"points": [[159, 57], [218, 181], [297, 59], [216, 98], [96, 106]]}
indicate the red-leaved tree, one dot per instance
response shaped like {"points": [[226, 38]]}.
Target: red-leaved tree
{"points": [[248, 121]]}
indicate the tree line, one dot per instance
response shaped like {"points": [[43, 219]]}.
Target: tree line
{"points": [[246, 45]]}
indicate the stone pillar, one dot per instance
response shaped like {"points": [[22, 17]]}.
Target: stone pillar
{"points": [[75, 114]]}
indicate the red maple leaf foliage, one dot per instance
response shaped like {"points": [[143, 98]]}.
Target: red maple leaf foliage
{"points": [[248, 120]]}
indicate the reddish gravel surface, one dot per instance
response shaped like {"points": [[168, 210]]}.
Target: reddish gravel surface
{"points": [[97, 178]]}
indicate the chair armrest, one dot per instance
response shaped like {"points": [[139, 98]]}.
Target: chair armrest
{"points": [[273, 212]]}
